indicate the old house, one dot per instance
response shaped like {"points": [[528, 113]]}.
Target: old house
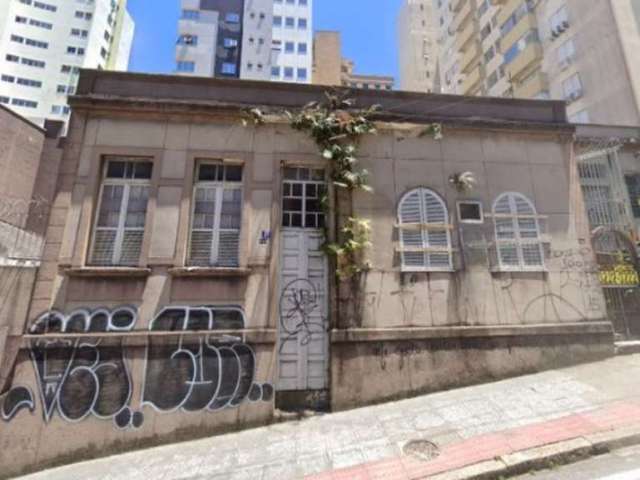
{"points": [[186, 291]]}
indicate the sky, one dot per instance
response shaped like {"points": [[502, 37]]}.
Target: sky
{"points": [[367, 27]]}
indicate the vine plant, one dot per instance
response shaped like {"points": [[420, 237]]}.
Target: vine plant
{"points": [[336, 128]]}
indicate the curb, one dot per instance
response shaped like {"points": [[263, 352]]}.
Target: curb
{"points": [[544, 457]]}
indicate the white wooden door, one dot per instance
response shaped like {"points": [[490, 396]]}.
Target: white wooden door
{"points": [[303, 307]]}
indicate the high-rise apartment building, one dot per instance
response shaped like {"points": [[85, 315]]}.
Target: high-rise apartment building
{"points": [[581, 51], [44, 43], [332, 69], [418, 47], [249, 39]]}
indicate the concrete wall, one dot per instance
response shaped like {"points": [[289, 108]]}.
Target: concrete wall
{"points": [[21, 144], [125, 387]]}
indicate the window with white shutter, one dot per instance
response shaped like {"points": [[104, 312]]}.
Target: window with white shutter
{"points": [[217, 216], [122, 210], [518, 240], [425, 233]]}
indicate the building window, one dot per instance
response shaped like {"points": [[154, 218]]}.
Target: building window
{"points": [[230, 42], [190, 14], [277, 21], [122, 210], [289, 47], [302, 23], [186, 66], [275, 72], [425, 237], [580, 117], [302, 74], [572, 88], [633, 187], [289, 22], [302, 48], [229, 68], [217, 216], [232, 18], [518, 241], [566, 53], [302, 192], [288, 72], [21, 102]]}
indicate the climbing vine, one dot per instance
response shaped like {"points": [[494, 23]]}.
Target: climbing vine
{"points": [[336, 128]]}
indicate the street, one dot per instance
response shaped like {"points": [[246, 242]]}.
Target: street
{"points": [[619, 465]]}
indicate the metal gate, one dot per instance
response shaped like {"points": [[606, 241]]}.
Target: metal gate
{"points": [[609, 212], [303, 320]]}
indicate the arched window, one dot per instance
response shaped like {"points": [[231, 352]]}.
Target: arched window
{"points": [[425, 238], [518, 241]]}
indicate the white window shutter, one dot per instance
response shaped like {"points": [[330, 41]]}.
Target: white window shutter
{"points": [[215, 229], [518, 242], [421, 207]]}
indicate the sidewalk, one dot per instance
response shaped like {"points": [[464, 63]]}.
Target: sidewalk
{"points": [[476, 426]]}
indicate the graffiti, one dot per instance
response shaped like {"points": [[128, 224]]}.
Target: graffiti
{"points": [[18, 398], [554, 308], [575, 259], [194, 361], [209, 372], [299, 305], [620, 275], [82, 377]]}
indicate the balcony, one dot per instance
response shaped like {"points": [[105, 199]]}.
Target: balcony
{"points": [[456, 5], [526, 60], [526, 23], [467, 62], [532, 87], [472, 81], [470, 32], [507, 7], [462, 17]]}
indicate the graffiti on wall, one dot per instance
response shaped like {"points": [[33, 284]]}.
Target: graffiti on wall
{"points": [[194, 361], [208, 372], [300, 311]]}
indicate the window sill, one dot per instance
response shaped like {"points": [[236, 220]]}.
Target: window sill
{"points": [[209, 272], [428, 270], [102, 272], [519, 270]]}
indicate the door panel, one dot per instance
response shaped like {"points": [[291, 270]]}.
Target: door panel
{"points": [[303, 323]]}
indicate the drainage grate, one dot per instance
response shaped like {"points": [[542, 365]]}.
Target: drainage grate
{"points": [[421, 449]]}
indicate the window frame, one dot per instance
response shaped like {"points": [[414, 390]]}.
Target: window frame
{"points": [[422, 227], [126, 183], [220, 186], [518, 241]]}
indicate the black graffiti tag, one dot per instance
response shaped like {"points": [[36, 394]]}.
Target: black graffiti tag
{"points": [[298, 307]]}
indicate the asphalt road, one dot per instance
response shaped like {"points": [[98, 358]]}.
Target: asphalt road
{"points": [[620, 465]]}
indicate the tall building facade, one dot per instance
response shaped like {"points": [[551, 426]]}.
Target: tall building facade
{"points": [[331, 68], [45, 43], [580, 51], [418, 46], [249, 39]]}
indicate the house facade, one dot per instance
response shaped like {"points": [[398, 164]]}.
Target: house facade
{"points": [[185, 291]]}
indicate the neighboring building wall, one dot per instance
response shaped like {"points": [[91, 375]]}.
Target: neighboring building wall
{"points": [[418, 46], [38, 69], [257, 40], [327, 58], [578, 51], [292, 41], [29, 164], [330, 68], [412, 331]]}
